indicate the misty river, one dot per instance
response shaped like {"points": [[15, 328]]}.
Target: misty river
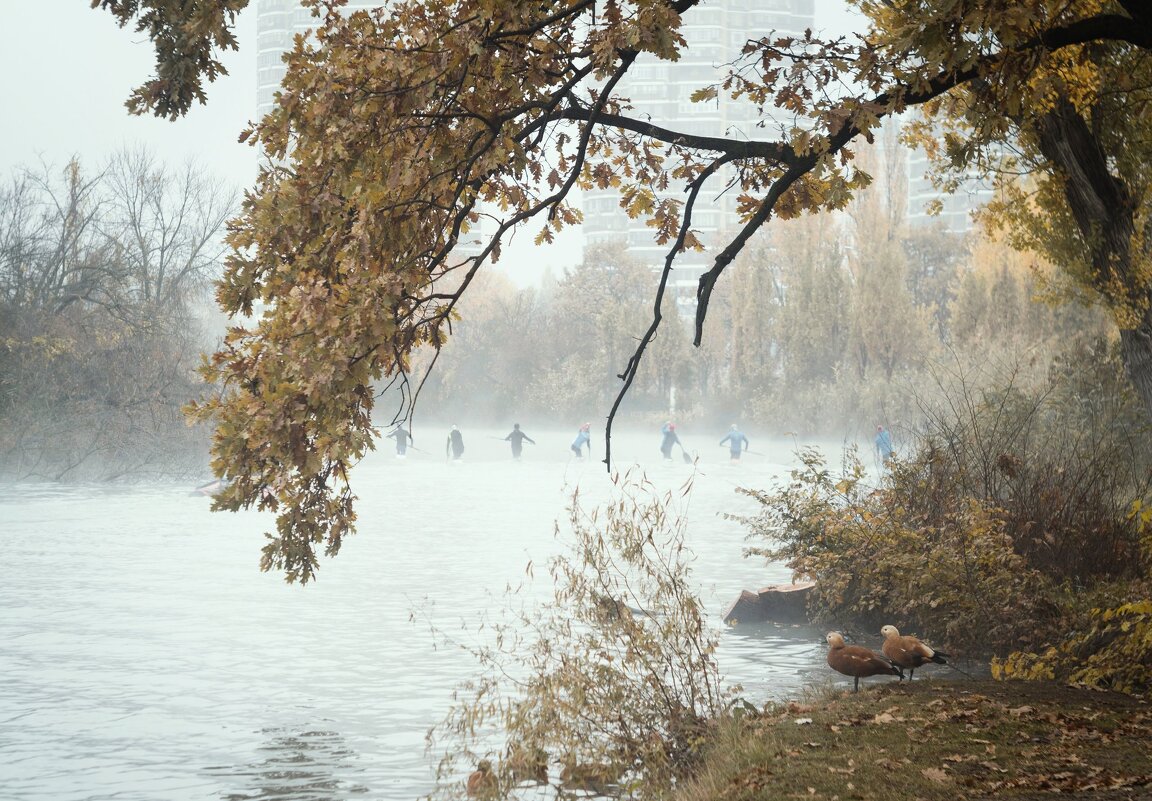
{"points": [[145, 657]]}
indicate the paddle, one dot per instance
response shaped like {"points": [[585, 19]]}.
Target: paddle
{"points": [[684, 453], [746, 450]]}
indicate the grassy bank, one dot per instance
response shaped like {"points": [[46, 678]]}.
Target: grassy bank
{"points": [[935, 740]]}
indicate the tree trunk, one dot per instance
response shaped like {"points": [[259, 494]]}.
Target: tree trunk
{"points": [[1136, 351], [1103, 207]]}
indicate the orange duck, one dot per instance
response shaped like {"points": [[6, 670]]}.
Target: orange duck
{"points": [[857, 661], [482, 781], [909, 652]]}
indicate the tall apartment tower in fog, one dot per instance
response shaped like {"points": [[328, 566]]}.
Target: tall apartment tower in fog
{"points": [[956, 209], [277, 23], [715, 33]]}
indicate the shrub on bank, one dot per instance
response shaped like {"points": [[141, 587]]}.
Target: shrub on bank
{"points": [[1112, 651], [953, 576], [613, 682], [1013, 510]]}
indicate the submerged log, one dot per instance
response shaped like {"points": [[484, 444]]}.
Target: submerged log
{"points": [[779, 603]]}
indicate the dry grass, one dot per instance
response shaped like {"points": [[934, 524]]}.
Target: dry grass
{"points": [[935, 740]]}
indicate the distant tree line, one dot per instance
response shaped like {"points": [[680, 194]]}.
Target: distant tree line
{"points": [[103, 276], [823, 325]]}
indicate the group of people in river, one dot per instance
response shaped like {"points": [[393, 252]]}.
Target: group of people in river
{"points": [[736, 440]]}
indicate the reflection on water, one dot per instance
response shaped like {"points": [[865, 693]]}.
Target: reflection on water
{"points": [[141, 644], [774, 661], [295, 767]]}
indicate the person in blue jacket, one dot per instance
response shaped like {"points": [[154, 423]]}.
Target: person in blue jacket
{"points": [[668, 432], [583, 437], [884, 447], [737, 442], [517, 438]]}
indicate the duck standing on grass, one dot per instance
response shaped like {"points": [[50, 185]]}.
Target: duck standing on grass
{"points": [[909, 652], [857, 661]]}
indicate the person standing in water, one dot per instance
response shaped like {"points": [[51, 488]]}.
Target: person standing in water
{"points": [[668, 432], [455, 444], [583, 437], [402, 437], [884, 447], [517, 438], [735, 439]]}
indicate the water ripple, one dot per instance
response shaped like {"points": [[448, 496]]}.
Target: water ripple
{"points": [[146, 657]]}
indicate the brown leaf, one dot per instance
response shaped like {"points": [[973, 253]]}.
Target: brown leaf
{"points": [[938, 775]]}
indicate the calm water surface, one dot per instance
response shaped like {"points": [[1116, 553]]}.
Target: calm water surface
{"points": [[144, 656]]}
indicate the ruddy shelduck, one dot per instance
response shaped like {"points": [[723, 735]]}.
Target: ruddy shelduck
{"points": [[482, 781], [857, 661], [908, 651]]}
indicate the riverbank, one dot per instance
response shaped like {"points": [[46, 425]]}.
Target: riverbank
{"points": [[935, 739]]}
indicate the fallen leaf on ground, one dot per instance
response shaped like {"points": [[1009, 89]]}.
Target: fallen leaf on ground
{"points": [[937, 775]]}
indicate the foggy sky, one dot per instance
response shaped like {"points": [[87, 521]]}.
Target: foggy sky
{"points": [[67, 70]]}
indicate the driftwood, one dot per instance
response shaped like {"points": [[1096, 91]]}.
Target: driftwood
{"points": [[779, 603]]}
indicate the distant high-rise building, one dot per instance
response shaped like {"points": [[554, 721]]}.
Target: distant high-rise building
{"points": [[277, 23], [956, 209], [661, 91]]}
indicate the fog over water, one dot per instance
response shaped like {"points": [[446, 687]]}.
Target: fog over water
{"points": [[146, 657]]}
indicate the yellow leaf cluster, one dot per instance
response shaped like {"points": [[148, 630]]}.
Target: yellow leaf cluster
{"points": [[1113, 652]]}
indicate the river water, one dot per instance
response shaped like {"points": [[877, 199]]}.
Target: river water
{"points": [[144, 657]]}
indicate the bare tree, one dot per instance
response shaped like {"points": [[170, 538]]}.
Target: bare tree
{"points": [[166, 225], [98, 274]]}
